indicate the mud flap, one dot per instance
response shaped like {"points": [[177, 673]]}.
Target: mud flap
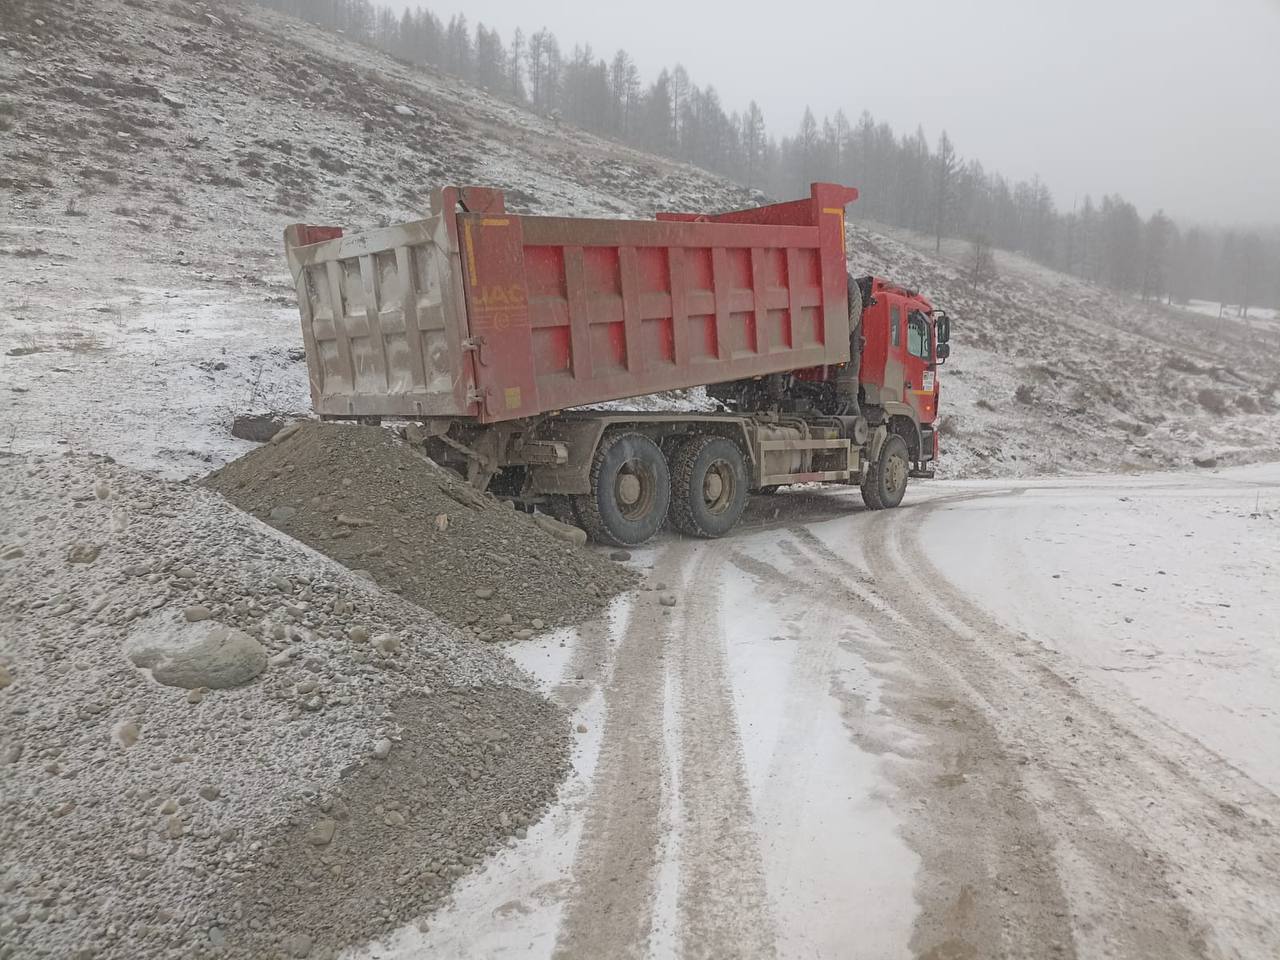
{"points": [[875, 442]]}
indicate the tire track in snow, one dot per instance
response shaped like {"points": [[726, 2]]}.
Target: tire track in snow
{"points": [[610, 910], [1139, 811], [723, 904], [976, 834], [823, 806], [1114, 897]]}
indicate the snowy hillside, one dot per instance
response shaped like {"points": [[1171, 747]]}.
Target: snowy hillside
{"points": [[153, 155]]}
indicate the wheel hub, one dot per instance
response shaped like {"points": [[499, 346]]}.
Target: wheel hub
{"points": [[628, 488], [712, 487], [897, 473]]}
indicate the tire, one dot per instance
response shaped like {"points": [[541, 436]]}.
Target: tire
{"points": [[885, 482], [708, 486], [630, 491]]}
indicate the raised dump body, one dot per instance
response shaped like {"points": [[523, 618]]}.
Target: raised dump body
{"points": [[480, 314]]}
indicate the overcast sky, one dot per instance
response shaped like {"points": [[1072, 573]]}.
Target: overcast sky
{"points": [[1172, 103]]}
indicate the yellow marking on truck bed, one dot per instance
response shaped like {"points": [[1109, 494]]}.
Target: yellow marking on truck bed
{"points": [[839, 211], [492, 222], [471, 252]]}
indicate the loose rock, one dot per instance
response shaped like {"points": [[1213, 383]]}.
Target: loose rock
{"points": [[561, 531], [286, 432], [126, 733], [387, 643], [83, 552], [223, 657], [322, 832]]}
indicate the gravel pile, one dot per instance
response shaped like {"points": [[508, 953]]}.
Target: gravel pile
{"points": [[215, 742], [374, 503]]}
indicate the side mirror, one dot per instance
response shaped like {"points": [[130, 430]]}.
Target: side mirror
{"points": [[944, 328], [944, 351]]}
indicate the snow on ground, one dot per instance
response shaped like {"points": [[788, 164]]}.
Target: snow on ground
{"points": [[1165, 587], [1262, 316], [852, 650], [156, 381], [817, 802]]}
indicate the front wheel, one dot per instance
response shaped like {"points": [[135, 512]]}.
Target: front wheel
{"points": [[630, 491], [885, 482], [708, 486]]}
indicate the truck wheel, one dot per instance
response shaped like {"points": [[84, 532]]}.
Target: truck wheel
{"points": [[708, 486], [885, 481], [630, 491]]}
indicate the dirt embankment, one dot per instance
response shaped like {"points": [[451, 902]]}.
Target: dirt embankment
{"points": [[375, 504]]}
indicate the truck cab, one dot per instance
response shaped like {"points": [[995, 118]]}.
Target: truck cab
{"points": [[904, 340]]}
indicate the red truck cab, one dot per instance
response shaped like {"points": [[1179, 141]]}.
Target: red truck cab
{"points": [[904, 341]]}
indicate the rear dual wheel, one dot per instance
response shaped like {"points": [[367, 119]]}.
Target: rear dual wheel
{"points": [[708, 486], [633, 489], [630, 491]]}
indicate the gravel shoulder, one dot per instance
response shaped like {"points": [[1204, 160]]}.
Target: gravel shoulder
{"points": [[212, 734]]}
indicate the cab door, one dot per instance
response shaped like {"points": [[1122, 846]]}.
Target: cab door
{"points": [[895, 372], [920, 376]]}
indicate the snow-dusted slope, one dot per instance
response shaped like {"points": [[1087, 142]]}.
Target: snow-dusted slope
{"points": [[1050, 374], [152, 155]]}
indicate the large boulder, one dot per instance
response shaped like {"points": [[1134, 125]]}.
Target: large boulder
{"points": [[220, 657]]}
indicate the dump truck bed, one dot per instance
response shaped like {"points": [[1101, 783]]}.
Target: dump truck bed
{"points": [[474, 312]]}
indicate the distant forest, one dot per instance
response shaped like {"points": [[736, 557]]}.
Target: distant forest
{"points": [[904, 181]]}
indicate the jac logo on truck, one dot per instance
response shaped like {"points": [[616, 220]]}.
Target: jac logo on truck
{"points": [[501, 306]]}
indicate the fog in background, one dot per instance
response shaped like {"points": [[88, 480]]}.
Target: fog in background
{"points": [[1172, 103]]}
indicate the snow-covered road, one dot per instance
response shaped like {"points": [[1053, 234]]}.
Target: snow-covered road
{"points": [[1008, 719]]}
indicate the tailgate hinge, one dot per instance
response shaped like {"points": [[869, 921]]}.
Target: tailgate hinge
{"points": [[476, 346]]}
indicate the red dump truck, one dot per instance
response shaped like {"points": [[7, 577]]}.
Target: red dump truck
{"points": [[493, 334]]}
